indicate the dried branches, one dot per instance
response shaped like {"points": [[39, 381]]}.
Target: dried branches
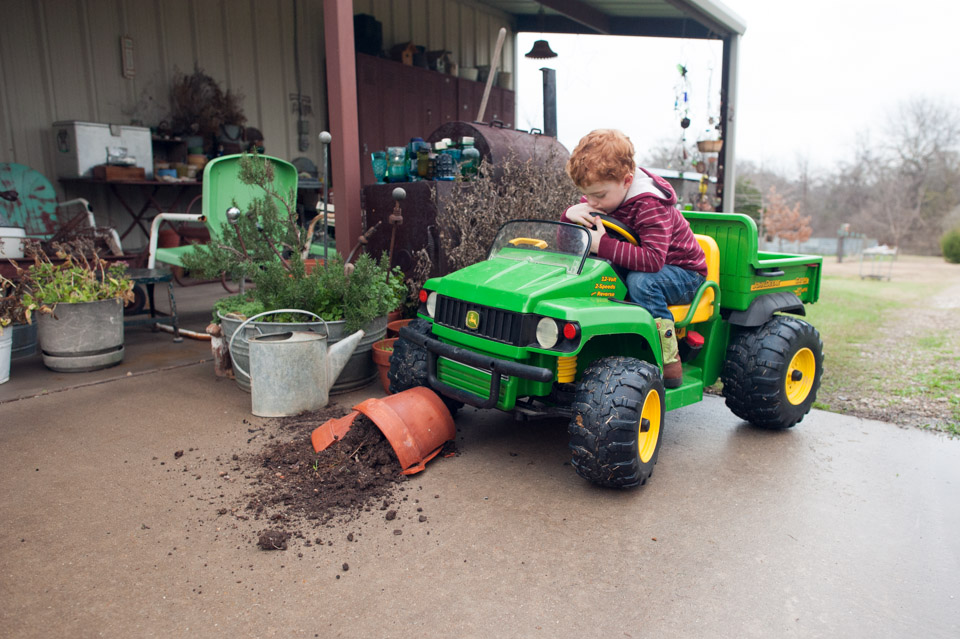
{"points": [[532, 189]]}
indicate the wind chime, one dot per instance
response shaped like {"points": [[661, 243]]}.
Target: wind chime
{"points": [[681, 106], [709, 148]]}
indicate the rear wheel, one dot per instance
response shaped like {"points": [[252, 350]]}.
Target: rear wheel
{"points": [[408, 365], [617, 425], [772, 373]]}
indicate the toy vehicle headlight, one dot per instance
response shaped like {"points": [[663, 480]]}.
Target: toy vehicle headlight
{"points": [[432, 303], [548, 332]]}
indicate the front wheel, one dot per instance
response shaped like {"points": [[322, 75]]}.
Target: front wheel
{"points": [[408, 365], [772, 373], [617, 423]]}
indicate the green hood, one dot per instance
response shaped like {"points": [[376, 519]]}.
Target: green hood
{"points": [[519, 286]]}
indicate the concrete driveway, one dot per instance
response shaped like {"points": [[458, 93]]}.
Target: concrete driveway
{"points": [[839, 527]]}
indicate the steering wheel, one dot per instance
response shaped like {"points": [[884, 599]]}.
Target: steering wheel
{"points": [[529, 241], [621, 229]]}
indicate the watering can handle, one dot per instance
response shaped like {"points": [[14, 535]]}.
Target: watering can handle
{"points": [[282, 310]]}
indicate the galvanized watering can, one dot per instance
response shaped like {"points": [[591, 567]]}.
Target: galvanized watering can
{"points": [[292, 372]]}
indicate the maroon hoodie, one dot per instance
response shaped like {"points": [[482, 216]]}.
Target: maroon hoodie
{"points": [[665, 236]]}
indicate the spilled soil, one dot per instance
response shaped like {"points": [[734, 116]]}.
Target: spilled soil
{"points": [[351, 474], [295, 493]]}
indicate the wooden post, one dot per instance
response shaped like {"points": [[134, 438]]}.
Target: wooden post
{"points": [[344, 122]]}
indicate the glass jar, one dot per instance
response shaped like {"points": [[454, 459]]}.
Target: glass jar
{"points": [[396, 164], [378, 159]]}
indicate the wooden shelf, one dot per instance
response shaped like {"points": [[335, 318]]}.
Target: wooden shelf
{"points": [[397, 102]]}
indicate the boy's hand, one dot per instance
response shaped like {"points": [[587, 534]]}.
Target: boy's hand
{"points": [[595, 234], [583, 214]]}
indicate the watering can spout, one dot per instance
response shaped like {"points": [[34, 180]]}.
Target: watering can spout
{"points": [[338, 356]]}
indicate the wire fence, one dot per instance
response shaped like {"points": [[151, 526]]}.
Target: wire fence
{"points": [[852, 246]]}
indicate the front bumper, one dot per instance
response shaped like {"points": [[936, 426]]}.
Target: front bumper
{"points": [[495, 367]]}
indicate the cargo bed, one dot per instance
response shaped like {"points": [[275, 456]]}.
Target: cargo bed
{"points": [[746, 272]]}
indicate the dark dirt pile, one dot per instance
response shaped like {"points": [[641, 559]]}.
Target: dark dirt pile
{"points": [[299, 491], [351, 475]]}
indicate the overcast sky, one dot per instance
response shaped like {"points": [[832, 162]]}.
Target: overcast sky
{"points": [[812, 76]]}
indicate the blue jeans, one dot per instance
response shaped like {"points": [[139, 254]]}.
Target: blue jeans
{"points": [[669, 286]]}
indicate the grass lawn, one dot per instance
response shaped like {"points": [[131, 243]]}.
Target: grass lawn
{"points": [[892, 348]]}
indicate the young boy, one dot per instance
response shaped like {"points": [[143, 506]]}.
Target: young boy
{"points": [[668, 266]]}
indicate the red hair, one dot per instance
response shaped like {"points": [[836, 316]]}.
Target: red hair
{"points": [[601, 155]]}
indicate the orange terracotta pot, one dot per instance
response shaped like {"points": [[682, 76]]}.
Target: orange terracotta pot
{"points": [[382, 350], [312, 263], [394, 315], [415, 422], [393, 328], [168, 238]]}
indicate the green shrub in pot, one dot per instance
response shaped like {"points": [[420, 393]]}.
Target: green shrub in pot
{"points": [[266, 245]]}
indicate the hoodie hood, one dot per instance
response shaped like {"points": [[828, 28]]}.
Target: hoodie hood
{"points": [[646, 184]]}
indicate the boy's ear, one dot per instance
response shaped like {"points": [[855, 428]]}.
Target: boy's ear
{"points": [[628, 180]]}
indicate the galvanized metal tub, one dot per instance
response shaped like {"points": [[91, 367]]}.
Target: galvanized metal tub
{"points": [[24, 340], [82, 336], [359, 371]]}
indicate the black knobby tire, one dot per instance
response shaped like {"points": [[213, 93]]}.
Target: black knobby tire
{"points": [[772, 373], [612, 444], [408, 365]]}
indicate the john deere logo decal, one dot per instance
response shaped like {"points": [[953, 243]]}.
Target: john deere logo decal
{"points": [[473, 320]]}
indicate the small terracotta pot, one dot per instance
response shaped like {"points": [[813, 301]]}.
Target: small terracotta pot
{"points": [[312, 263], [168, 238], [393, 328], [382, 350], [394, 315]]}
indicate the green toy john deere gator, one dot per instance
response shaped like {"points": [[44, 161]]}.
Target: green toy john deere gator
{"points": [[543, 328]]}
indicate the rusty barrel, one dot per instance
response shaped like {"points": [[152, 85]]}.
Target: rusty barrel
{"points": [[497, 144]]}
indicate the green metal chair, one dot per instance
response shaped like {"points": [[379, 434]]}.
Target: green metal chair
{"points": [[222, 189]]}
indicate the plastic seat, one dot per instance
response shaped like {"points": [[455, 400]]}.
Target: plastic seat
{"points": [[708, 306]]}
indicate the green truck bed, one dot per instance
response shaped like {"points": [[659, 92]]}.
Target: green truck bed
{"points": [[745, 272]]}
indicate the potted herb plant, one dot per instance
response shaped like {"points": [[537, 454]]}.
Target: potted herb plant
{"points": [[267, 246], [79, 305]]}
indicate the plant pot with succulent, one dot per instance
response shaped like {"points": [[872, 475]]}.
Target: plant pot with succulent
{"points": [[79, 306], [266, 245]]}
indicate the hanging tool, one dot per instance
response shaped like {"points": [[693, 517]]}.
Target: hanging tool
{"points": [[395, 219], [494, 65]]}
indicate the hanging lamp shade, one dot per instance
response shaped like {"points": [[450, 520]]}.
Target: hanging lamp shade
{"points": [[540, 51]]}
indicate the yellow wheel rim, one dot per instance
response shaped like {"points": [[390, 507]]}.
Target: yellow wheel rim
{"points": [[800, 374], [649, 427]]}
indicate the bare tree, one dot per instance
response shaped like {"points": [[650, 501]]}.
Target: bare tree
{"points": [[917, 180]]}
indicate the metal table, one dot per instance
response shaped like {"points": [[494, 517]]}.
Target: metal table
{"points": [[144, 303], [150, 189]]}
